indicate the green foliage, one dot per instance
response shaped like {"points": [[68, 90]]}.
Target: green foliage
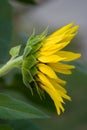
{"points": [[19, 125], [11, 108], [23, 125], [14, 52], [5, 29], [5, 127]]}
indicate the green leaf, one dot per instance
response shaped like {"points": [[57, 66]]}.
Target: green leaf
{"points": [[5, 29], [11, 108], [23, 125], [5, 127], [14, 52]]}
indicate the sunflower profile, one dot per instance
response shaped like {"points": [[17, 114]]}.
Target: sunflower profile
{"points": [[42, 60], [50, 59]]}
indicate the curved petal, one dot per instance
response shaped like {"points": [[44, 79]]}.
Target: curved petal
{"points": [[57, 43], [47, 70], [62, 30], [55, 97], [57, 86], [69, 56], [62, 68], [45, 81], [50, 59]]}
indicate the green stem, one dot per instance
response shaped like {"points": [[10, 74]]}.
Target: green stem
{"points": [[11, 64]]}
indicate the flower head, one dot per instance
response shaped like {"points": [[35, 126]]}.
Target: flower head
{"points": [[44, 59]]}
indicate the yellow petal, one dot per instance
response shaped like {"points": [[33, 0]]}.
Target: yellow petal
{"points": [[62, 30], [69, 56], [53, 40], [55, 93], [57, 86], [50, 59], [65, 96], [55, 97], [62, 68], [52, 92], [68, 38], [43, 79], [48, 86], [58, 45], [63, 71], [62, 65], [47, 70], [59, 107], [50, 73], [73, 30], [60, 34], [51, 49], [60, 81]]}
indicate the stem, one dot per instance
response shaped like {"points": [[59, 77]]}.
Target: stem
{"points": [[11, 64]]}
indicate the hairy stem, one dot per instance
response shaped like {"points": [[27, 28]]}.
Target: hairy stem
{"points": [[11, 64]]}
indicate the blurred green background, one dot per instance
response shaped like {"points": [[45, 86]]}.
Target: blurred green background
{"points": [[18, 18]]}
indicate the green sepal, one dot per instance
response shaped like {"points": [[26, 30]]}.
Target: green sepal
{"points": [[27, 50], [31, 37], [27, 78], [14, 52], [29, 62], [36, 47], [33, 71], [34, 40], [30, 54], [29, 69]]}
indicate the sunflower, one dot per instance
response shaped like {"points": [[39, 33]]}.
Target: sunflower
{"points": [[42, 60], [53, 60]]}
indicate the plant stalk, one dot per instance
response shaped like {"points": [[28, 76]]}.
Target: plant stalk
{"points": [[10, 65]]}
